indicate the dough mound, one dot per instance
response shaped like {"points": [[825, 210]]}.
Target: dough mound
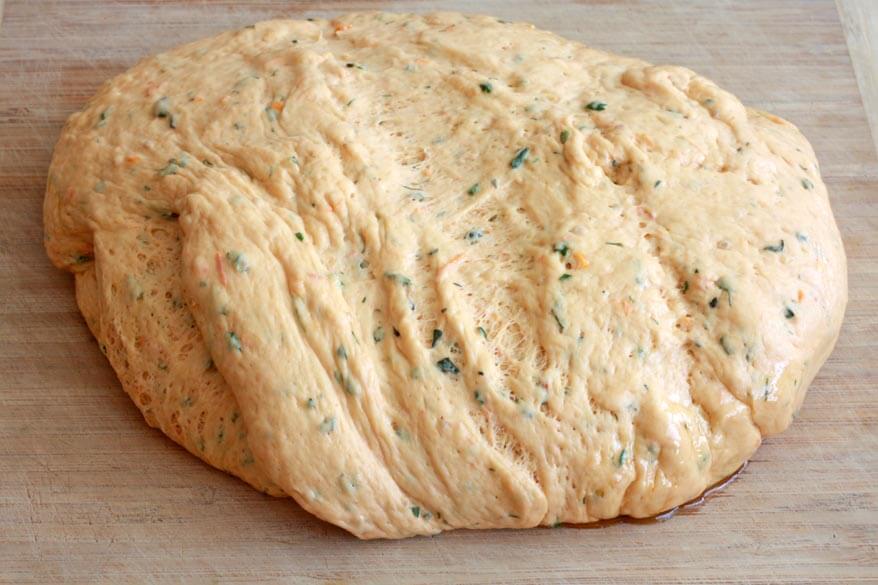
{"points": [[443, 271]]}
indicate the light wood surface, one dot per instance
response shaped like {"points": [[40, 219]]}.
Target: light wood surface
{"points": [[89, 493], [859, 18]]}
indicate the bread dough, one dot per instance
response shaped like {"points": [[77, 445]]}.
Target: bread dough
{"points": [[443, 271]]}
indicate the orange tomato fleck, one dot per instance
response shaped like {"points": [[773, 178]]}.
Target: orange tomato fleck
{"points": [[132, 159], [645, 212], [277, 106], [581, 261], [220, 269], [801, 295], [449, 264]]}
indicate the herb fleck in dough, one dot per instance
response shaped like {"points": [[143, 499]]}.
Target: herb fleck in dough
{"points": [[434, 272]]}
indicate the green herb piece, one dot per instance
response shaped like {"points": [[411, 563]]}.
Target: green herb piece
{"points": [[685, 287], [479, 397], [171, 169], [474, 235], [378, 334], [657, 184], [300, 236], [801, 237], [347, 383], [160, 108], [558, 319], [565, 134], [328, 425], [341, 352], [310, 403], [617, 244], [416, 511], [788, 313], [520, 157], [561, 248], [103, 116], [238, 260], [417, 196], [486, 87], [726, 287], [774, 247], [234, 341], [596, 106], [398, 278], [565, 276], [437, 335], [713, 302], [474, 189], [482, 332], [622, 458], [447, 366], [726, 345], [807, 184]]}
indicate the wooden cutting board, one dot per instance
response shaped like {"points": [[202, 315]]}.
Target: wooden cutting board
{"points": [[88, 492]]}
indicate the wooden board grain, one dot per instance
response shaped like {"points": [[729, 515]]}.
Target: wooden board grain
{"points": [[89, 493], [859, 19]]}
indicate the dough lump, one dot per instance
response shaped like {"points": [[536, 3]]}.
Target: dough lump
{"points": [[425, 272]]}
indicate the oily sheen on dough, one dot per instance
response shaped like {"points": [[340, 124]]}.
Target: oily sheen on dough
{"points": [[435, 272]]}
